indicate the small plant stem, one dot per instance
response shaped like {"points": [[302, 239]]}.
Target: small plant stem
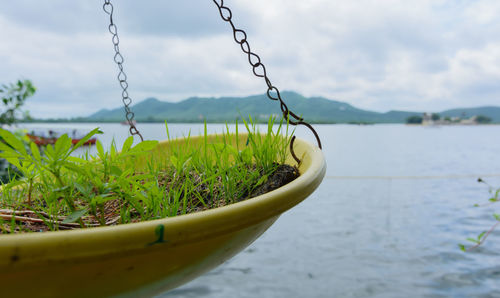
{"points": [[485, 236], [30, 219], [102, 219], [81, 223], [22, 212], [30, 189]]}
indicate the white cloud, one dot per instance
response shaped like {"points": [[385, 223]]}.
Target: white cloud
{"points": [[381, 55]]}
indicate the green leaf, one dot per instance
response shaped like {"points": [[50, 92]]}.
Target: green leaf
{"points": [[115, 171], [35, 152], [14, 183], [102, 198], [232, 150], [186, 163], [49, 151], [6, 149], [144, 146], [127, 144], [62, 146], [261, 180], [480, 236], [11, 154], [28, 169], [75, 168], [127, 172], [86, 138], [496, 216], [13, 141], [246, 155], [75, 215], [173, 159], [77, 159], [12, 160], [60, 189], [135, 203], [462, 247], [168, 133], [82, 189], [472, 240], [100, 149]]}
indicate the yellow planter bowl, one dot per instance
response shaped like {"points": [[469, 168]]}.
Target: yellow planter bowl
{"points": [[146, 258]]}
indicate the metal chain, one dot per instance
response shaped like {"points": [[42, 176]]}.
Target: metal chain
{"points": [[122, 77], [259, 70]]}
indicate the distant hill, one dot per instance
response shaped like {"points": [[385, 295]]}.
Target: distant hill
{"points": [[313, 109]]}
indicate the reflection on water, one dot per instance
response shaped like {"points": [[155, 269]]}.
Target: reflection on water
{"points": [[373, 228]]}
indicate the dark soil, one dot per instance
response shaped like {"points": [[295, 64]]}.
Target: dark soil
{"points": [[284, 174]]}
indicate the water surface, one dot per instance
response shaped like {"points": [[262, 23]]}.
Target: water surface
{"points": [[385, 222]]}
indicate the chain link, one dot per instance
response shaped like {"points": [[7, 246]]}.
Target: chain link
{"points": [[259, 70], [122, 77], [240, 37]]}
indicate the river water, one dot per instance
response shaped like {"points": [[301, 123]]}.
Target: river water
{"points": [[386, 221]]}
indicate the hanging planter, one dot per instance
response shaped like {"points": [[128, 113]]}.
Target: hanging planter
{"points": [[149, 257], [153, 256]]}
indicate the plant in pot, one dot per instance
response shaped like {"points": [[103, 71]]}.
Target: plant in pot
{"points": [[60, 191], [131, 197]]}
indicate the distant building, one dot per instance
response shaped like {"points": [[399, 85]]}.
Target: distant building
{"points": [[427, 119], [469, 121], [436, 119]]}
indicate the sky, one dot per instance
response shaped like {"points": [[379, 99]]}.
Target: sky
{"points": [[381, 55]]}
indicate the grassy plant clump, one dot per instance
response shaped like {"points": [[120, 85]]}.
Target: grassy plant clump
{"points": [[137, 183]]}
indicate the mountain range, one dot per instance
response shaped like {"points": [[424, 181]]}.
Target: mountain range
{"points": [[227, 109]]}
